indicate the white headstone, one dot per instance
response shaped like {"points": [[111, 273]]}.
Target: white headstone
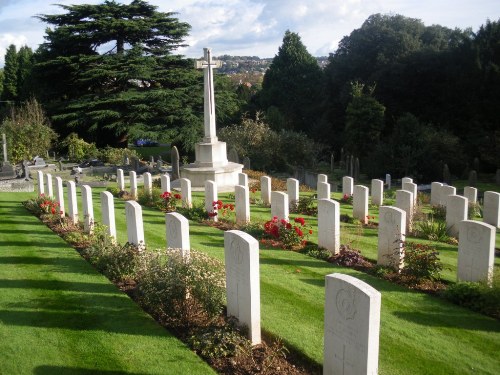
{"points": [[491, 208], [177, 232], [60, 195], [243, 179], [88, 209], [323, 190], [411, 187], [471, 194], [133, 184], [241, 254], [48, 181], [406, 180], [352, 326], [72, 202], [377, 192], [242, 206], [322, 178], [210, 197], [360, 203], [265, 190], [165, 183], [391, 234], [388, 181], [404, 200], [41, 183], [329, 225], [292, 189], [444, 192], [120, 179], [186, 193], [347, 185], [456, 212], [148, 184], [476, 251], [135, 226], [436, 193], [108, 213], [279, 205]]}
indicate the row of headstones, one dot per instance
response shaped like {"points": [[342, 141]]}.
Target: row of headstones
{"points": [[350, 304]]}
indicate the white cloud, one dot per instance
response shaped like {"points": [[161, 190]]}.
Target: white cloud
{"points": [[6, 40]]}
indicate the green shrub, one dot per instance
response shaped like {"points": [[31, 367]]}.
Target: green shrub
{"points": [[431, 230], [439, 212], [305, 206], [317, 252], [196, 213], [78, 149], [114, 190], [116, 156], [474, 211], [421, 261]]}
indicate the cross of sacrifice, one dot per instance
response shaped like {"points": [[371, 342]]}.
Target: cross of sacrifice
{"points": [[207, 64]]}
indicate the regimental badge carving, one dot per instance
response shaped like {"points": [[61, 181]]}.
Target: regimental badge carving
{"points": [[474, 235], [346, 305], [389, 218], [237, 252]]}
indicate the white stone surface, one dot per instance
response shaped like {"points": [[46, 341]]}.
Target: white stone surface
{"points": [[120, 179], [279, 205], [352, 326], [243, 179], [404, 200], [292, 189], [411, 187], [491, 208], [165, 183], [476, 251], [329, 225], [347, 185], [436, 193], [242, 204], [391, 234], [133, 184], [241, 254], [210, 197], [471, 194], [49, 191], [323, 190], [72, 202], [148, 184], [108, 213], [377, 192], [322, 178], [41, 183], [265, 190], [177, 227], [187, 201], [360, 203], [60, 195], [88, 209], [406, 180], [456, 212], [444, 192], [135, 226], [388, 181]]}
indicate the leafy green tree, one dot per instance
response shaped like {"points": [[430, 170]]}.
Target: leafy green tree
{"points": [[25, 65], [293, 85], [107, 71], [10, 70]]}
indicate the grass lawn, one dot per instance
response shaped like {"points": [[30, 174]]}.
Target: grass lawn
{"points": [[420, 334], [59, 316]]}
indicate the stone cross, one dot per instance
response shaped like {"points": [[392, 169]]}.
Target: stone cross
{"points": [[207, 64], [4, 145]]}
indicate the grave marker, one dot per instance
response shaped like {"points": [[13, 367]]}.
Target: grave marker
{"points": [[329, 225], [120, 179], [377, 192], [165, 183], [388, 181], [279, 205], [411, 187], [406, 180], [148, 184], [323, 190], [242, 199], [445, 191], [322, 178], [243, 179], [88, 209], [186, 193], [265, 190], [48, 181], [177, 227], [404, 200], [391, 234], [491, 208], [456, 211], [360, 203], [471, 194], [241, 254], [347, 185], [135, 227], [210, 197], [108, 213], [133, 184], [72, 203], [292, 189], [436, 193], [41, 185], [60, 195]]}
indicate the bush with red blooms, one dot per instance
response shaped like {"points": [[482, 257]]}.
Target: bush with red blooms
{"points": [[169, 201], [346, 199], [221, 210], [286, 234]]}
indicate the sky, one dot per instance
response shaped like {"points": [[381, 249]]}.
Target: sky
{"points": [[257, 27]]}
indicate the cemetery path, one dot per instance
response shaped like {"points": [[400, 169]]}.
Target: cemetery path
{"points": [[58, 315]]}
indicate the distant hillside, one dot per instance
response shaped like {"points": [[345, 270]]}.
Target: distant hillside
{"points": [[252, 64]]}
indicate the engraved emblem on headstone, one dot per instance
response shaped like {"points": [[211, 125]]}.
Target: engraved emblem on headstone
{"points": [[345, 304], [474, 235], [389, 218], [237, 252]]}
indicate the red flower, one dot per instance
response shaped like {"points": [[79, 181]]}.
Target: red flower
{"points": [[298, 231], [288, 226], [212, 214], [231, 207], [283, 222], [53, 210], [177, 196], [300, 220], [310, 231]]}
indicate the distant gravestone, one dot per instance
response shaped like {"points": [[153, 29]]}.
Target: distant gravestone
{"points": [[476, 251], [177, 227], [391, 234], [126, 160], [360, 203], [404, 201], [332, 162], [48, 184], [41, 185], [388, 181], [471, 194], [88, 209], [232, 156], [446, 174], [356, 169], [472, 178], [411, 187], [187, 201], [347, 185], [329, 225], [243, 179], [148, 184], [406, 180], [435, 193], [241, 254], [491, 208], [210, 197], [246, 163], [265, 190], [445, 191], [279, 205], [456, 212], [292, 190], [242, 208], [351, 166], [135, 226], [377, 192], [135, 164], [120, 179], [351, 327], [108, 213], [322, 178], [39, 162], [165, 183], [323, 190], [60, 195], [72, 202], [175, 159], [133, 184]]}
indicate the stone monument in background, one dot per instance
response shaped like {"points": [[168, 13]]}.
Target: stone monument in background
{"points": [[7, 171], [211, 155]]}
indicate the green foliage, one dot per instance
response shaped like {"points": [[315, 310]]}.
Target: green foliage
{"points": [[116, 156], [27, 131], [474, 210], [10, 70], [439, 212], [317, 252], [421, 261], [432, 230], [286, 234], [306, 205], [78, 149], [196, 213]]}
